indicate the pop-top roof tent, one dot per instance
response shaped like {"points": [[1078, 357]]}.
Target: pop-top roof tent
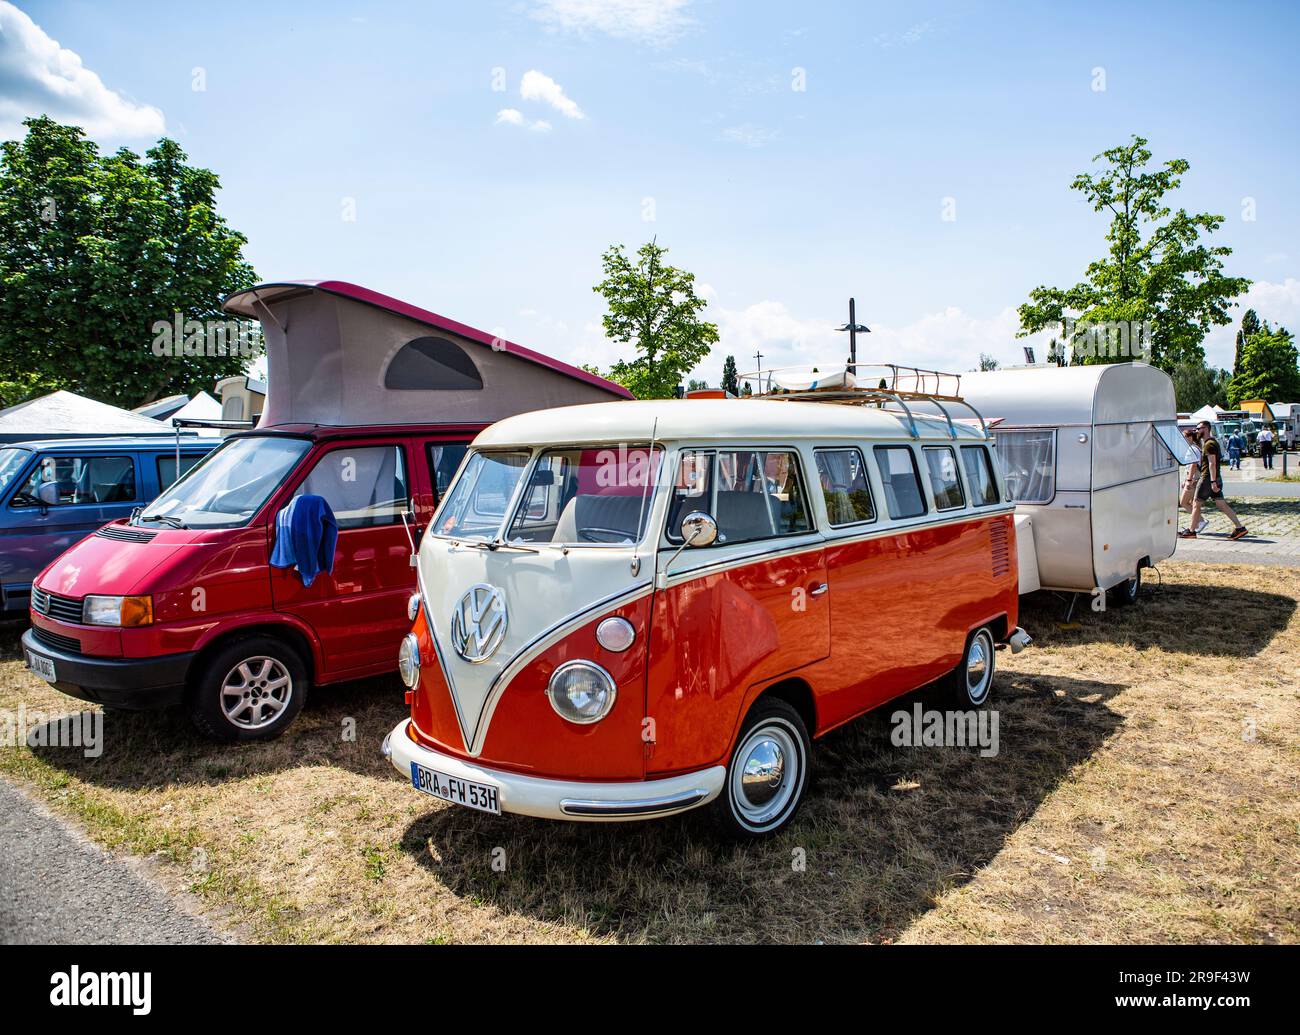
{"points": [[68, 415], [342, 355]]}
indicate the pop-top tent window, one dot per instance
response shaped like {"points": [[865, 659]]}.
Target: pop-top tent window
{"points": [[432, 364]]}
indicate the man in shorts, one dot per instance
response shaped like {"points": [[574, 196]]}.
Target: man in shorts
{"points": [[1210, 486]]}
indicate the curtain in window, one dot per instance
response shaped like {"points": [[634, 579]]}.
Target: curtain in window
{"points": [[1028, 463]]}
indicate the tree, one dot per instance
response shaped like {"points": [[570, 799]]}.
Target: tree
{"points": [[1249, 325], [695, 385], [1269, 368], [730, 381], [987, 362], [1159, 289], [654, 307], [1196, 384], [95, 250]]}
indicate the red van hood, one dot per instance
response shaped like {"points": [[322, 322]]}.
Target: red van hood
{"points": [[109, 566]]}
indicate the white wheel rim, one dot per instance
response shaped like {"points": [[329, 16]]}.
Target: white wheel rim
{"points": [[255, 692], [979, 667], [766, 775]]}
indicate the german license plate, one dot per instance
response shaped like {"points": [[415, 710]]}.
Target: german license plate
{"points": [[472, 795], [42, 666]]}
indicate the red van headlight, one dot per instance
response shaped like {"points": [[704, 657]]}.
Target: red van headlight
{"points": [[126, 612], [581, 691]]}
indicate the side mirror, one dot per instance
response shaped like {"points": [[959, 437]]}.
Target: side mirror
{"points": [[48, 493], [699, 529]]}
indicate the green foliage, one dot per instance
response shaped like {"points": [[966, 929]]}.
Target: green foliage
{"points": [[696, 385], [1157, 270], [94, 249], [1269, 368], [987, 362], [730, 380], [1249, 325], [1196, 384], [654, 307]]}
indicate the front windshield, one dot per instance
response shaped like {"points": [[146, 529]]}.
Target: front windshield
{"points": [[229, 485], [476, 506], [587, 496], [11, 462]]}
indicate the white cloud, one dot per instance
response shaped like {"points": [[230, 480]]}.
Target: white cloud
{"points": [[748, 135], [644, 21], [39, 77], [536, 86], [514, 117]]}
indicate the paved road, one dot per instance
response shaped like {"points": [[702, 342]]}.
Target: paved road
{"points": [[1235, 489], [58, 887]]}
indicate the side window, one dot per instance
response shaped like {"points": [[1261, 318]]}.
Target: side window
{"points": [[364, 487], [167, 466], [64, 480], [1028, 463], [945, 482], [902, 481], [979, 475], [843, 474], [444, 462], [751, 493]]}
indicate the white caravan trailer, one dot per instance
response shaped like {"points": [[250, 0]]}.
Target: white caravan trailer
{"points": [[1091, 456]]}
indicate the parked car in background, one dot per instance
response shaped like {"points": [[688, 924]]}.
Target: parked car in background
{"points": [[372, 403], [54, 493]]}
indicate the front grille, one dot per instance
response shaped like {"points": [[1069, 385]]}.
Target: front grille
{"points": [[63, 609], [126, 534], [1000, 548], [53, 639]]}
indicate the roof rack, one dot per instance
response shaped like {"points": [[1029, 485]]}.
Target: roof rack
{"points": [[882, 385]]}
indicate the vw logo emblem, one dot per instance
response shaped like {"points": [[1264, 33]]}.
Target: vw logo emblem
{"points": [[478, 623]]}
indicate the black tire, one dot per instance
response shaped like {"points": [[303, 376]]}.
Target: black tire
{"points": [[1127, 593], [970, 684], [742, 815], [223, 716]]}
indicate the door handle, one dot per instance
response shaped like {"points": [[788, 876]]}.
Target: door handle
{"points": [[818, 590]]}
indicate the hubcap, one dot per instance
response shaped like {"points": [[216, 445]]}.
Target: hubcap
{"points": [[766, 775], [978, 675], [255, 692]]}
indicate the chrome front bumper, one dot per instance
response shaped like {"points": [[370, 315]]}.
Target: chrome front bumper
{"points": [[578, 800]]}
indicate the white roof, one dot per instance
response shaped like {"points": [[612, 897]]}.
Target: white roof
{"points": [[1096, 393], [705, 420], [66, 413], [201, 407]]}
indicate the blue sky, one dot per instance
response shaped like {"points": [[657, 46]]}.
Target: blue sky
{"points": [[681, 119]]}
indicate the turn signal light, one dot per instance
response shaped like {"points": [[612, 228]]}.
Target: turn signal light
{"points": [[137, 611]]}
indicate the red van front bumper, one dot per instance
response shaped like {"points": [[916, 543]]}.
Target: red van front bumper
{"points": [[133, 683]]}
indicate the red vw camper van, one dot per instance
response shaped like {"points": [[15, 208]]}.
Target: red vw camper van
{"points": [[628, 611], [372, 403]]}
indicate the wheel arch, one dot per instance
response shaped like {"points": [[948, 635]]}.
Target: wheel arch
{"points": [[296, 638]]}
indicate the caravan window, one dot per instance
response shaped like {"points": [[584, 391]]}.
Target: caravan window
{"points": [[1028, 463], [364, 487]]}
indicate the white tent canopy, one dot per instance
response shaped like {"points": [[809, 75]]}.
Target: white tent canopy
{"points": [[68, 415], [342, 355], [1206, 412], [201, 407]]}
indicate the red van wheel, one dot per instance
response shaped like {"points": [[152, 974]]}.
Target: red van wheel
{"points": [[250, 689], [768, 772], [971, 682]]}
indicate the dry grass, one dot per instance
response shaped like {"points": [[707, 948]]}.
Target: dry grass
{"points": [[1124, 805]]}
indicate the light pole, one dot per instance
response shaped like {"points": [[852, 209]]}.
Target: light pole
{"points": [[853, 327]]}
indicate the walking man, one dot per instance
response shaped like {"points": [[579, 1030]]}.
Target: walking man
{"points": [[1234, 451], [1266, 447], [1210, 486]]}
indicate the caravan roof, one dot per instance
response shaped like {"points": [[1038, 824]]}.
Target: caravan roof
{"points": [[1049, 396]]}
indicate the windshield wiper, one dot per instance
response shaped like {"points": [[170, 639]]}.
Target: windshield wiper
{"points": [[166, 519], [494, 544]]}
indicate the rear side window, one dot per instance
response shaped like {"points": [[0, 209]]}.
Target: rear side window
{"points": [[364, 487], [167, 467], [1028, 464], [902, 481], [979, 475], [945, 482], [64, 480], [751, 493], [843, 476]]}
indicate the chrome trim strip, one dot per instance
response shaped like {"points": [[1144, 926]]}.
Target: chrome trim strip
{"points": [[643, 807]]}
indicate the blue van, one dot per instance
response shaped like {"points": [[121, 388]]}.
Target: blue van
{"points": [[54, 493]]}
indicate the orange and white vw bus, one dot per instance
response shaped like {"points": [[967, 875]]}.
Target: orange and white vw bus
{"points": [[631, 609]]}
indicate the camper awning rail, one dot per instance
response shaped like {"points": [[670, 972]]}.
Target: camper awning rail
{"points": [[883, 385]]}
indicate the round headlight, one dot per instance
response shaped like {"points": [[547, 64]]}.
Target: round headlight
{"points": [[408, 661], [413, 606], [581, 692]]}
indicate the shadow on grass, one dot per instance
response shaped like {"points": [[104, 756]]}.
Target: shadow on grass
{"points": [[1220, 621], [884, 831]]}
